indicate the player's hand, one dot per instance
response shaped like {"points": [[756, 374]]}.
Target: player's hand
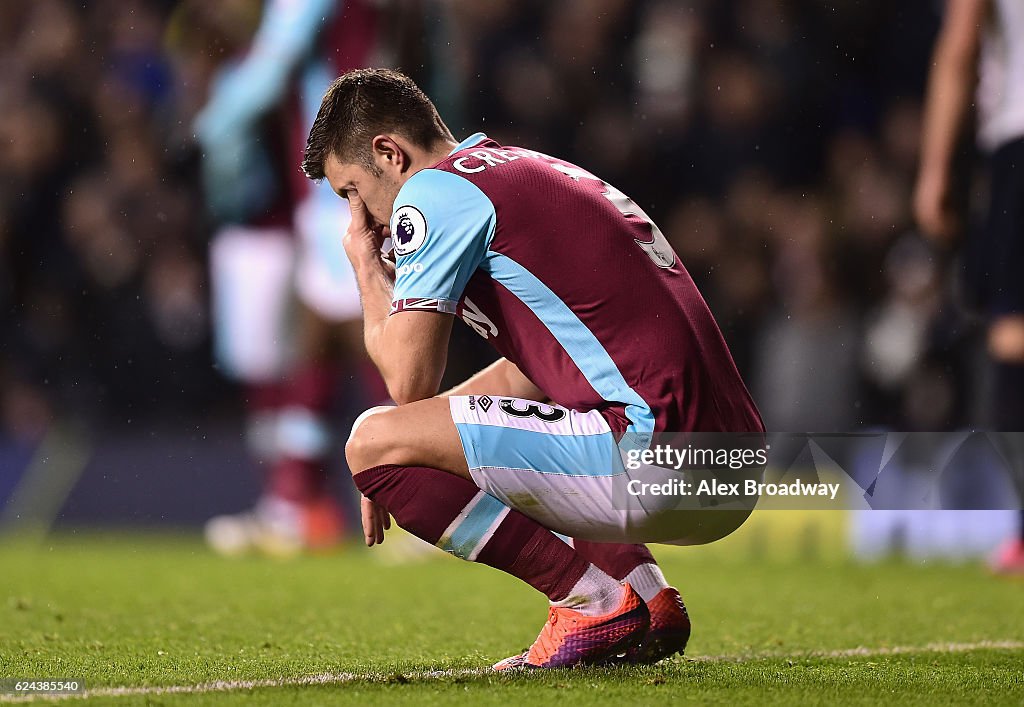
{"points": [[363, 238], [933, 211], [375, 521]]}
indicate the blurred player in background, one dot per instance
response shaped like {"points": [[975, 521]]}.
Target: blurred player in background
{"points": [[606, 343], [980, 56], [286, 308]]}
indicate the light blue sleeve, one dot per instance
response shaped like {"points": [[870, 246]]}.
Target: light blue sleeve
{"points": [[246, 90], [441, 228]]}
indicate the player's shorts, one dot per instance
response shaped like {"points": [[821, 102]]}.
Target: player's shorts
{"points": [[564, 469], [996, 259], [251, 278]]}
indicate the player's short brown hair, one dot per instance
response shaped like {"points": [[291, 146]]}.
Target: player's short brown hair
{"points": [[361, 104]]}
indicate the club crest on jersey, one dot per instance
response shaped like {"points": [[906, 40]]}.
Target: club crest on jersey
{"points": [[408, 229]]}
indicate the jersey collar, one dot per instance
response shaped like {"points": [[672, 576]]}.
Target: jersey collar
{"points": [[471, 141]]}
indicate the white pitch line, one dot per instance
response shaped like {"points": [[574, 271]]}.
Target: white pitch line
{"points": [[231, 685], [864, 651], [428, 675]]}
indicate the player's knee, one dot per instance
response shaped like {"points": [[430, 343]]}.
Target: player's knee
{"points": [[1006, 339], [368, 439]]}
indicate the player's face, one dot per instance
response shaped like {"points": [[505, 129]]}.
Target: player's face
{"points": [[377, 192]]}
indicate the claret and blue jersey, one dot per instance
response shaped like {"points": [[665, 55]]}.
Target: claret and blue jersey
{"points": [[568, 278]]}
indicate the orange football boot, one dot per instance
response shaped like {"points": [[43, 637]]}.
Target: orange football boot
{"points": [[668, 633], [569, 638]]}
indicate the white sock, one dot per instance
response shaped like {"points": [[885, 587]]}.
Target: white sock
{"points": [[646, 580], [596, 594]]}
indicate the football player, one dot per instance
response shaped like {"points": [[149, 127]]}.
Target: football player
{"points": [[605, 342]]}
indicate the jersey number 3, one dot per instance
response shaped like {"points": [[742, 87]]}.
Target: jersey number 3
{"points": [[532, 410], [657, 249]]}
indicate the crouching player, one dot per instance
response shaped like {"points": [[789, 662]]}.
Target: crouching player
{"points": [[606, 341]]}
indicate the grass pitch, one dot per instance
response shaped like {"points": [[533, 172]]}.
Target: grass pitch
{"points": [[779, 616]]}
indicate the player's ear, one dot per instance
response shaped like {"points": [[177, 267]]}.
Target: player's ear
{"points": [[388, 154]]}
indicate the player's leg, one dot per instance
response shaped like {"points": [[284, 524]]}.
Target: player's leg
{"points": [[1006, 330], [296, 510], [287, 353], [1006, 345], [326, 338], [557, 466], [631, 563], [419, 434], [250, 272], [299, 478], [562, 467], [409, 460], [634, 564]]}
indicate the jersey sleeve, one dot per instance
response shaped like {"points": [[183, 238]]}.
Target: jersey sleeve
{"points": [[441, 228], [249, 88]]}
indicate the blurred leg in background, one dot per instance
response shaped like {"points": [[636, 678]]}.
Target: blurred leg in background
{"points": [[301, 302], [292, 360], [978, 63], [1006, 330]]}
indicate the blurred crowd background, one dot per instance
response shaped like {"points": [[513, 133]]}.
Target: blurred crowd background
{"points": [[774, 141]]}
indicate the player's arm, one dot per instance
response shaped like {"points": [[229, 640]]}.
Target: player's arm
{"points": [[949, 96], [248, 89], [500, 378], [441, 227], [410, 349]]}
